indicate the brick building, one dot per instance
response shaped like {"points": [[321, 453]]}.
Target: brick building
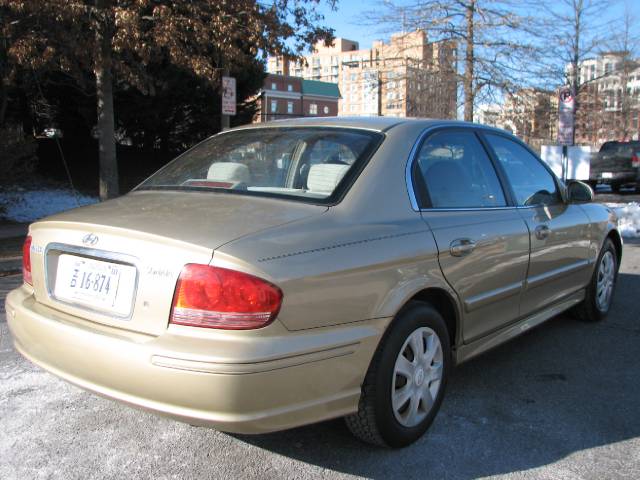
{"points": [[529, 113], [284, 96]]}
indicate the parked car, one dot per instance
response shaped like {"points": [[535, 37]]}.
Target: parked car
{"points": [[224, 291], [616, 164]]}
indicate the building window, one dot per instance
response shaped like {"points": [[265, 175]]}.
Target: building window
{"points": [[313, 109], [290, 88], [274, 106], [289, 107], [274, 86], [353, 108], [325, 110]]}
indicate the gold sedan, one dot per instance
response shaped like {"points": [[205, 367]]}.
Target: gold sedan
{"points": [[283, 274]]}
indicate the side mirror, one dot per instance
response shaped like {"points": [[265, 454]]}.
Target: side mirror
{"points": [[579, 192]]}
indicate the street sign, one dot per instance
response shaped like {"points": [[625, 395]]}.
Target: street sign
{"points": [[567, 101], [566, 116], [228, 96]]}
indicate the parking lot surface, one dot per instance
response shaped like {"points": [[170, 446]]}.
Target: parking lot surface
{"points": [[560, 402]]}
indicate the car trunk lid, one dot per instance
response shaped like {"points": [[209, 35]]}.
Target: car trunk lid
{"points": [[129, 252]]}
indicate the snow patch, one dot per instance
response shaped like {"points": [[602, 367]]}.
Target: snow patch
{"points": [[26, 206], [628, 218]]}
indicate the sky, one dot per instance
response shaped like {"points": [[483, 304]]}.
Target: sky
{"points": [[347, 20]]}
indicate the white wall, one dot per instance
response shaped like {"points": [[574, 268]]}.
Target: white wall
{"points": [[578, 164]]}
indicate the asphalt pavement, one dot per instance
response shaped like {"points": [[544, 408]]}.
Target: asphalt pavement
{"points": [[560, 402]]}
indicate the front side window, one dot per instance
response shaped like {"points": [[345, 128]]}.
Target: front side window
{"points": [[307, 164], [457, 172], [532, 183]]}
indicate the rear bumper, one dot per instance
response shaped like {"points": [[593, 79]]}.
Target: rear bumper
{"points": [[621, 178], [216, 381]]}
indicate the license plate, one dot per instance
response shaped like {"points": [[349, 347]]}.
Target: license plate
{"points": [[100, 285], [607, 175]]}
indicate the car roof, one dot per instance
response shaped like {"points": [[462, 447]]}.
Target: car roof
{"points": [[380, 124]]}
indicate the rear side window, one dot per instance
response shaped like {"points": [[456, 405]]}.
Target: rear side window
{"points": [[458, 173], [531, 181]]}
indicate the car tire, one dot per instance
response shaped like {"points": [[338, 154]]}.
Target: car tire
{"points": [[599, 294], [393, 410]]}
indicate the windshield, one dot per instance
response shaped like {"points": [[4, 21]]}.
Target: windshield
{"points": [[309, 163]]}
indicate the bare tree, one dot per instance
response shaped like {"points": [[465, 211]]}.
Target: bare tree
{"points": [[573, 31], [577, 31], [494, 39], [625, 43]]}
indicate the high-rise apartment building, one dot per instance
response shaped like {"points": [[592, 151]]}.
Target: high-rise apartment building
{"points": [[407, 76]]}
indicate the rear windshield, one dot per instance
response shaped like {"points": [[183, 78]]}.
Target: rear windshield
{"points": [[309, 164]]}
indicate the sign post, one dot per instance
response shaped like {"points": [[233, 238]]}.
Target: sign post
{"points": [[566, 125], [228, 100]]}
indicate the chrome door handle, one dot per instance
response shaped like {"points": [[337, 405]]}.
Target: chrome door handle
{"points": [[462, 247], [542, 232]]}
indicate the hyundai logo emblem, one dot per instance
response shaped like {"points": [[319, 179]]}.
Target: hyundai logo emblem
{"points": [[90, 239]]}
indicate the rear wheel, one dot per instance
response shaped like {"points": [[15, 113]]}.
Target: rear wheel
{"points": [[599, 294], [405, 384]]}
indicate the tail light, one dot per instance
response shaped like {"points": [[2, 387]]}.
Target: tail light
{"points": [[214, 297], [26, 261], [635, 160]]}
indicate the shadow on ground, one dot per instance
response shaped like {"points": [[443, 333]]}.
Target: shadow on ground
{"points": [[563, 388]]}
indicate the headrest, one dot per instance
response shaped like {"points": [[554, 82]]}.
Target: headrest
{"points": [[324, 177], [229, 172]]}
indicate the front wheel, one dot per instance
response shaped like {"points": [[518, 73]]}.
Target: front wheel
{"points": [[599, 294], [405, 384]]}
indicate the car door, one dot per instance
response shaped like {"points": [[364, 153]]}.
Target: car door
{"points": [[559, 232], [482, 240]]}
